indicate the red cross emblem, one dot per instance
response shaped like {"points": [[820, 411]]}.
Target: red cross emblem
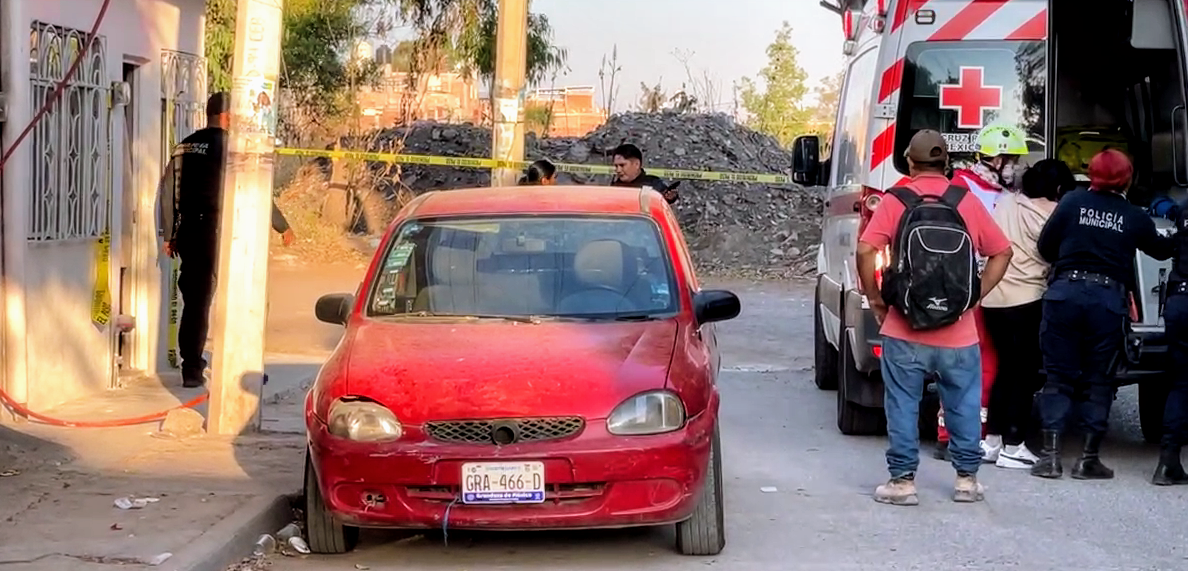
{"points": [[971, 97]]}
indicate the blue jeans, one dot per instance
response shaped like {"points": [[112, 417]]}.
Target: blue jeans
{"points": [[904, 366]]}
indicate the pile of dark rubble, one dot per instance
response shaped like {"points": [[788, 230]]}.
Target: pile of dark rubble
{"points": [[734, 228]]}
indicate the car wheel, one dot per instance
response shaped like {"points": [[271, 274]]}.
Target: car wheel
{"points": [[704, 533], [854, 419], [324, 533], [1152, 398], [824, 354]]}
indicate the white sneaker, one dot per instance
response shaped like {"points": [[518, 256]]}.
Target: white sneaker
{"points": [[1016, 458], [991, 448]]}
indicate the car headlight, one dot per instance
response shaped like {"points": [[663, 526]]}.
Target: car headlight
{"points": [[363, 421], [648, 413]]}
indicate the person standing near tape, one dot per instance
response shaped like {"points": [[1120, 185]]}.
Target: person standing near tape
{"points": [[190, 200], [629, 172]]}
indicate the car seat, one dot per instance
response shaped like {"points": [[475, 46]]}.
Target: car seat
{"points": [[605, 271]]}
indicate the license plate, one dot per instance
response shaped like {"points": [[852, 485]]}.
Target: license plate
{"points": [[503, 483]]}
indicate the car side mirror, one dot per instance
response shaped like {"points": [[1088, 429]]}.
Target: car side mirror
{"points": [[715, 305], [806, 159], [334, 308]]}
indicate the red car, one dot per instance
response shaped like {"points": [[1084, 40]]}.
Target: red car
{"points": [[522, 358]]}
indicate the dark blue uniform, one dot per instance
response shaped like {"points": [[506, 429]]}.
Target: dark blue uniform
{"points": [[1175, 317], [1090, 240], [191, 197]]}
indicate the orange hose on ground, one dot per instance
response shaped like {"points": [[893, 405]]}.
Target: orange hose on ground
{"points": [[43, 419]]}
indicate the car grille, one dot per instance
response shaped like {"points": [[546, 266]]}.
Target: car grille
{"points": [[525, 429]]}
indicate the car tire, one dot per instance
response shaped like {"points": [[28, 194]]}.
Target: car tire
{"points": [[324, 534], [854, 419], [704, 533], [1152, 398], [824, 354]]}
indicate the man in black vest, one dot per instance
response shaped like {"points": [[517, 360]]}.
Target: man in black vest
{"points": [[1170, 470], [629, 171], [190, 199]]}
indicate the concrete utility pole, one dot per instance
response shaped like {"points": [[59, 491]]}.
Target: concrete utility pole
{"points": [[240, 304], [511, 62]]}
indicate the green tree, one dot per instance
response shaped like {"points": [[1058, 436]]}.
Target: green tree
{"points": [[315, 63], [466, 29], [777, 108], [824, 115]]}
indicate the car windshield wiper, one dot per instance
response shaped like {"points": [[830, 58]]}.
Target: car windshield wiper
{"points": [[635, 317], [473, 316]]}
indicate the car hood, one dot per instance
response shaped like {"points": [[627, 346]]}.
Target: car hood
{"points": [[497, 369]]}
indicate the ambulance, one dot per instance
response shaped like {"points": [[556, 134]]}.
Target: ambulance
{"points": [[1077, 76]]}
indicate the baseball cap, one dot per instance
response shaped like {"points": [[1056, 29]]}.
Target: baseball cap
{"points": [[218, 104], [927, 146]]}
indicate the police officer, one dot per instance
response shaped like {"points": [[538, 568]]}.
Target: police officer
{"points": [[1090, 240], [190, 198], [1170, 470], [629, 171]]}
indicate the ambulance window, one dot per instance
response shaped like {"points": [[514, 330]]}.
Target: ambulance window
{"points": [[850, 144], [959, 87]]}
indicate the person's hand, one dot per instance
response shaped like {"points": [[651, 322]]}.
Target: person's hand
{"points": [[168, 249], [671, 196], [879, 307], [288, 237]]}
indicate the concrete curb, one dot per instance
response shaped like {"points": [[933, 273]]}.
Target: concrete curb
{"points": [[232, 539]]}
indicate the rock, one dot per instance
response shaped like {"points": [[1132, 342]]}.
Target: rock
{"points": [[731, 227], [182, 422]]}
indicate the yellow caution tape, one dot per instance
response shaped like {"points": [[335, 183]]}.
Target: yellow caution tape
{"points": [[463, 162], [175, 306], [101, 294]]}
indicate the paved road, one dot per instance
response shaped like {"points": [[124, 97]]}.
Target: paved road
{"points": [[779, 431]]}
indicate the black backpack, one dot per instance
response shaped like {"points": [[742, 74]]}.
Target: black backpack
{"points": [[933, 276]]}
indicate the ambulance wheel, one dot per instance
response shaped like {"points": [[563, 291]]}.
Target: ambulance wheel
{"points": [[1152, 398], [854, 419], [824, 354]]}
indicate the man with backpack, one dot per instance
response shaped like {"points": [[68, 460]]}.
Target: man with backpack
{"points": [[935, 232]]}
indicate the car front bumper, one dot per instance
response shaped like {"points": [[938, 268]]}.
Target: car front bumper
{"points": [[595, 480]]}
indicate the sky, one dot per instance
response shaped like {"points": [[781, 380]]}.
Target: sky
{"points": [[725, 40], [719, 38]]}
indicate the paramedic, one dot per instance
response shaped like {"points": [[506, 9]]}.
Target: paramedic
{"points": [[1170, 470], [1013, 311], [999, 149], [190, 195], [629, 171], [1090, 240]]}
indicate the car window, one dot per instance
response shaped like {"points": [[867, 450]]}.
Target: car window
{"points": [[588, 267], [959, 87]]}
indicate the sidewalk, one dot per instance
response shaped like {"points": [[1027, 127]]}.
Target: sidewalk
{"points": [[213, 495]]}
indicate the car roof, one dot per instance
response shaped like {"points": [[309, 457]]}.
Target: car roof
{"points": [[535, 200]]}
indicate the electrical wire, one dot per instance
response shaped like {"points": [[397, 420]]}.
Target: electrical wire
{"points": [[57, 94]]}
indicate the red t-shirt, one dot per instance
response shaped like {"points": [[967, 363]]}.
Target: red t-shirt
{"points": [[988, 241]]}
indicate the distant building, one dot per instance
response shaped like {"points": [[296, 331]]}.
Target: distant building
{"points": [[574, 111]]}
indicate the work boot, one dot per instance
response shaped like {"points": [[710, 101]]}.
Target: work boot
{"points": [[968, 490], [898, 492], [1048, 465], [1089, 466], [1170, 471]]}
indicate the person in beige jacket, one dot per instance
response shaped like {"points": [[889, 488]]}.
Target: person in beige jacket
{"points": [[1013, 312]]}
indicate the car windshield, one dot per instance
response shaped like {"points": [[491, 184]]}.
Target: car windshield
{"points": [[585, 267], [959, 87]]}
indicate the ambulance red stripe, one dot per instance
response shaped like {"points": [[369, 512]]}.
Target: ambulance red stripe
{"points": [[967, 20], [1035, 29], [882, 147], [892, 77]]}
